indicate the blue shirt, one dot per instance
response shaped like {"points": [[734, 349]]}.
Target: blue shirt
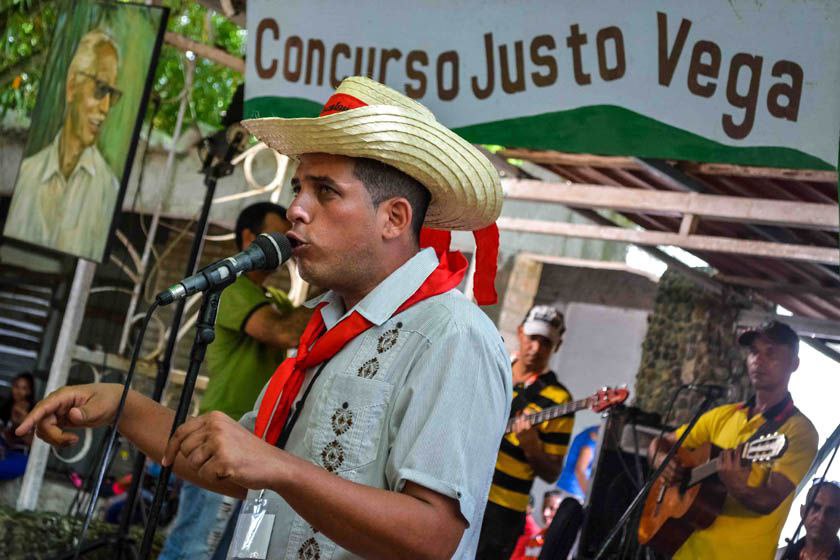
{"points": [[568, 481]]}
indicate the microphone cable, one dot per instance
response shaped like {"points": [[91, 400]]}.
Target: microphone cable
{"points": [[106, 455]]}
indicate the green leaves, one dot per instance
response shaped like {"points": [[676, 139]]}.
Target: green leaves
{"points": [[29, 25]]}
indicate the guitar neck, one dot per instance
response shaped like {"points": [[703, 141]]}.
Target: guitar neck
{"points": [[702, 472], [554, 412]]}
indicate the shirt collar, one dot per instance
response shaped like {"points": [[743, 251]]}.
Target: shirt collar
{"points": [[51, 167], [381, 303], [87, 161], [771, 412]]}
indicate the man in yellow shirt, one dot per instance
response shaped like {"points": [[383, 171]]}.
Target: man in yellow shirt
{"points": [[758, 496]]}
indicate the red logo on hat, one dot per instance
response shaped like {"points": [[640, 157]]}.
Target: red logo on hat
{"points": [[341, 102]]}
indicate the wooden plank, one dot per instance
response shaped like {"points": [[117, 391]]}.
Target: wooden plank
{"points": [[563, 158], [218, 56], [759, 172], [804, 253], [776, 286], [146, 368], [809, 215], [804, 326], [689, 224]]}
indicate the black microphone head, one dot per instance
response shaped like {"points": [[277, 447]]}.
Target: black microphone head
{"points": [[275, 247]]}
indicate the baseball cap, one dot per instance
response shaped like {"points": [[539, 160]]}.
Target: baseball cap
{"points": [[545, 320], [775, 331]]}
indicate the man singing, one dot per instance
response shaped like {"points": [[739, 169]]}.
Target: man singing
{"points": [[378, 439]]}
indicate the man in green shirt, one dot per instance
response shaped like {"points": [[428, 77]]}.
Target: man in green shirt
{"points": [[254, 327]]}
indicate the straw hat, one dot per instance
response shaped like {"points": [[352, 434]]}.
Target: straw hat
{"points": [[366, 119]]}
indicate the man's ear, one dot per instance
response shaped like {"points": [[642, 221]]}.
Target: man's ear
{"points": [[396, 213], [248, 237], [795, 363]]}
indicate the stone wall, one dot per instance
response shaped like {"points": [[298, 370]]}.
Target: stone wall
{"points": [[691, 338]]}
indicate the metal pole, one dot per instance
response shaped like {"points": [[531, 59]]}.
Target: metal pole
{"points": [[168, 174], [70, 324]]}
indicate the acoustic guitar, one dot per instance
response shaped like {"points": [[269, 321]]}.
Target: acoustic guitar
{"points": [[600, 401], [674, 511]]}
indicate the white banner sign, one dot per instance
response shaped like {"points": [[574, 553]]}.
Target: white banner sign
{"points": [[719, 80]]}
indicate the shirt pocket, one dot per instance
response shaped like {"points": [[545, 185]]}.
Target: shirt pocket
{"points": [[348, 422]]}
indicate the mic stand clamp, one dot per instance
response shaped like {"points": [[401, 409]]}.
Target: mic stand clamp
{"points": [[204, 335], [625, 517]]}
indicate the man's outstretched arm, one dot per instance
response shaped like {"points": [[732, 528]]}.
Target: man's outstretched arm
{"points": [[144, 422]]}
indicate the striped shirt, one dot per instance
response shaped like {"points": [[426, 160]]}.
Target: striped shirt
{"points": [[514, 476]]}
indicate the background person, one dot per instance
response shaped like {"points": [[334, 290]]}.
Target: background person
{"points": [[574, 480], [758, 496], [821, 523], [528, 451], [14, 449]]}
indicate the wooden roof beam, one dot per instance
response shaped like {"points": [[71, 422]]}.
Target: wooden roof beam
{"points": [[808, 215], [714, 244]]}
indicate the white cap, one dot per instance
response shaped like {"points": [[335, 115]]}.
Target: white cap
{"points": [[547, 321]]}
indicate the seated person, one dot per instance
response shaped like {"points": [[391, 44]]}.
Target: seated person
{"points": [[533, 546], [13, 449]]}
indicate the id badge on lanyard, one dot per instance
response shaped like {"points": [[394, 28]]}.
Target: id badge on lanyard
{"points": [[253, 530], [253, 527]]}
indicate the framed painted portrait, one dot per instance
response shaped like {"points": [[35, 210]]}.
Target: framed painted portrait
{"points": [[85, 126]]}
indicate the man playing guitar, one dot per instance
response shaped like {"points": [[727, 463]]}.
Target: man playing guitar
{"points": [[758, 496], [527, 451]]}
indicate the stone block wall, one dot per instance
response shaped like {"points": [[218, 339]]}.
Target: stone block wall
{"points": [[691, 338]]}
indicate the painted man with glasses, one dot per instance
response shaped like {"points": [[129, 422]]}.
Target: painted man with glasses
{"points": [[66, 192]]}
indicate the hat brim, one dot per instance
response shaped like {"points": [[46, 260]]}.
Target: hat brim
{"points": [[540, 328], [466, 192], [748, 337]]}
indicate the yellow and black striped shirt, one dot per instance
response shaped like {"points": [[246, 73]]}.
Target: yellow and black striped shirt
{"points": [[514, 476]]}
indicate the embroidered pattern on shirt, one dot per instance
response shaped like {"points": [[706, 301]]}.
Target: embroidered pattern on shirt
{"points": [[388, 339], [332, 456], [309, 550], [342, 420], [369, 368]]}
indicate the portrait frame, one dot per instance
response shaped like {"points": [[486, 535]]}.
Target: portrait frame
{"points": [[91, 104]]}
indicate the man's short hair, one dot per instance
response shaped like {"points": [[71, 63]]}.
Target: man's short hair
{"points": [[812, 491], [84, 59], [253, 218], [384, 182], [551, 494]]}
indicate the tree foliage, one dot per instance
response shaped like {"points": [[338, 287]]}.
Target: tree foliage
{"points": [[27, 27]]}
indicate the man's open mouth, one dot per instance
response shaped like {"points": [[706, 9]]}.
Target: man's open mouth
{"points": [[295, 241]]}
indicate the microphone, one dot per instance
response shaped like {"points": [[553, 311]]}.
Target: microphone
{"points": [[712, 391], [266, 252]]}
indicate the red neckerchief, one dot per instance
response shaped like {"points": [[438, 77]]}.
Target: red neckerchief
{"points": [[317, 345]]}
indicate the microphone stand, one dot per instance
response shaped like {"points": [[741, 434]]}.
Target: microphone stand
{"points": [[204, 335], [625, 517], [212, 173]]}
